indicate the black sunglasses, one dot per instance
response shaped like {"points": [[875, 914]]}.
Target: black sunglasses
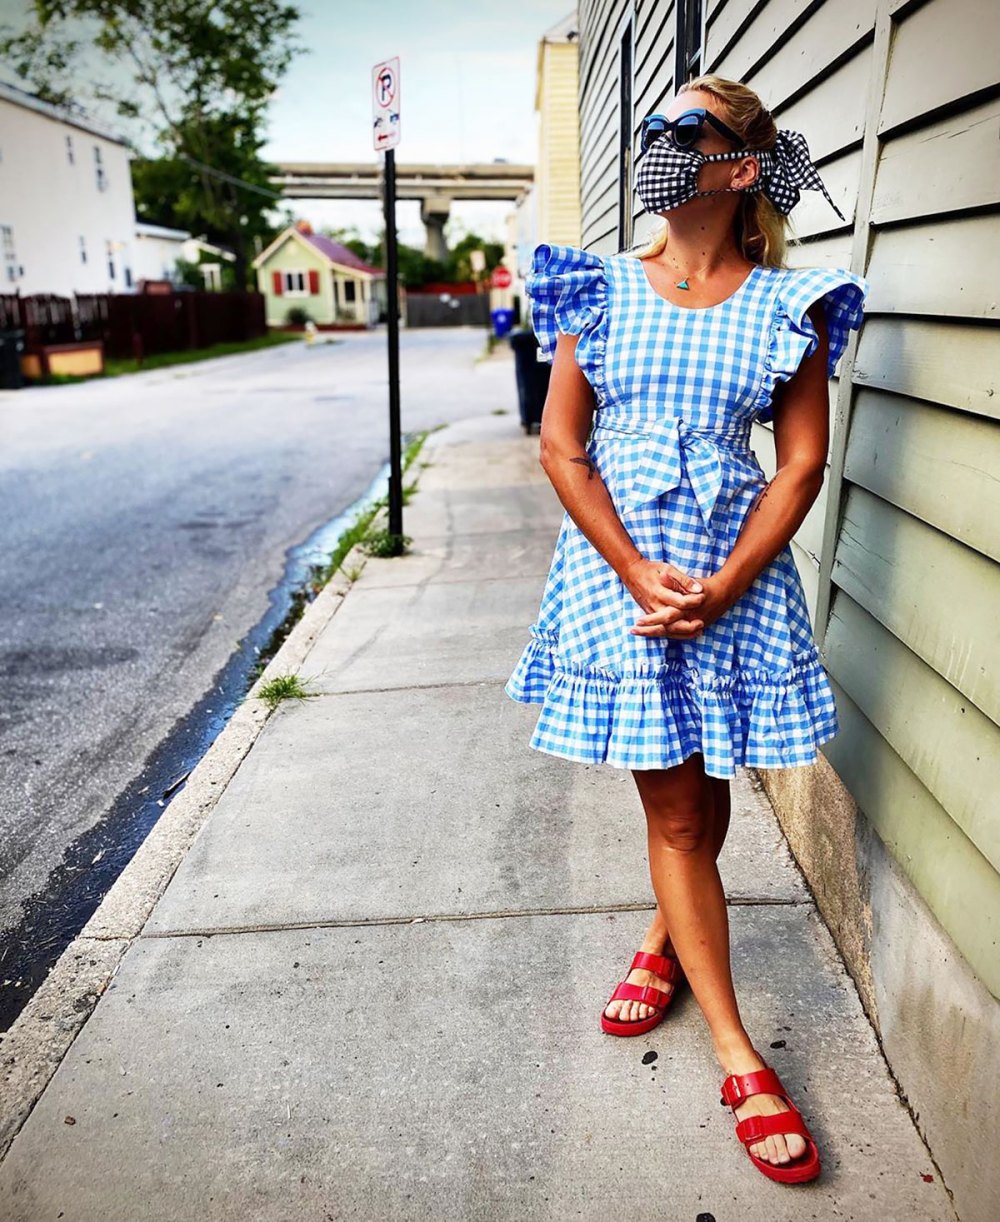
{"points": [[685, 130]]}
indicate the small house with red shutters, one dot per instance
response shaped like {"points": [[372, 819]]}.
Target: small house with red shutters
{"points": [[307, 276]]}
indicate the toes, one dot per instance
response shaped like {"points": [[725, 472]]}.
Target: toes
{"points": [[778, 1149], [796, 1145], [759, 1150]]}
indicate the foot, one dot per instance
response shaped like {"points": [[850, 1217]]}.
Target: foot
{"points": [[778, 1149], [636, 1011]]}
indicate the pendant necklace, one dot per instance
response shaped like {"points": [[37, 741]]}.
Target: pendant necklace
{"points": [[683, 282]]}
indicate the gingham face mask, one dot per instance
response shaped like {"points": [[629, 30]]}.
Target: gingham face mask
{"points": [[668, 175]]}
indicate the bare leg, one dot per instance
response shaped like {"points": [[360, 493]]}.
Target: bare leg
{"points": [[657, 937], [682, 856]]}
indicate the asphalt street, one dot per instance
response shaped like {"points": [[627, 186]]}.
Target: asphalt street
{"points": [[145, 519]]}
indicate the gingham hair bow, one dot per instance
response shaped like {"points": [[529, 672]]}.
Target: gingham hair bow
{"points": [[787, 168]]}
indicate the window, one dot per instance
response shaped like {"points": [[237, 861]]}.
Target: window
{"points": [[128, 277], [688, 41], [11, 269], [102, 178], [83, 249], [110, 246], [350, 289], [69, 151], [295, 282], [625, 139]]}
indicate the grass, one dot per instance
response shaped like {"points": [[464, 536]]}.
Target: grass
{"points": [[384, 543], [360, 533], [283, 687], [163, 360]]}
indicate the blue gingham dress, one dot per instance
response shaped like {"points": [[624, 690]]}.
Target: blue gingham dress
{"points": [[676, 390]]}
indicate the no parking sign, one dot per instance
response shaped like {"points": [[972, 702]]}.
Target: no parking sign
{"points": [[385, 104]]}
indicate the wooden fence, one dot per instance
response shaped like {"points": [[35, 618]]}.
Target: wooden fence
{"points": [[136, 324]]}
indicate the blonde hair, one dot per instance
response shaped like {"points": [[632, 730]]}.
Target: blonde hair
{"points": [[761, 230]]}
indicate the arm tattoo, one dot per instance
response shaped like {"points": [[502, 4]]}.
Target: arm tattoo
{"points": [[760, 497], [586, 462]]}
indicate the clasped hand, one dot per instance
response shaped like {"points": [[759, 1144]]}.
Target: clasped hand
{"points": [[677, 606]]}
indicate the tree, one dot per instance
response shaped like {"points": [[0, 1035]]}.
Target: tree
{"points": [[415, 268], [459, 265], [200, 76]]}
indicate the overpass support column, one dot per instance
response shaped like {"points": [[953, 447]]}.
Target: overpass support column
{"points": [[434, 210]]}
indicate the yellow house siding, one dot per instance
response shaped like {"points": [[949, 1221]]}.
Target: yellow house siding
{"points": [[558, 169]]}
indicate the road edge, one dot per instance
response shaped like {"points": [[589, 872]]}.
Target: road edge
{"points": [[32, 1049]]}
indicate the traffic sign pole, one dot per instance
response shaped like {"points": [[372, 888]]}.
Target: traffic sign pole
{"points": [[385, 135], [392, 280]]}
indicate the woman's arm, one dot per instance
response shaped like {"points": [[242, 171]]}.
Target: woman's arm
{"points": [[801, 441], [566, 423]]}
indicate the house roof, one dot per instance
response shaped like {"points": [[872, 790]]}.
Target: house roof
{"points": [[20, 97], [183, 237], [567, 30], [146, 229], [339, 254], [330, 250]]}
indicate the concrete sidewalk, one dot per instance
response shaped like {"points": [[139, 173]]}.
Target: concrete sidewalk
{"points": [[371, 989]]}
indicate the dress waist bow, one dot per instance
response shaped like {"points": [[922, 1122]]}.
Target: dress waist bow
{"points": [[673, 450]]}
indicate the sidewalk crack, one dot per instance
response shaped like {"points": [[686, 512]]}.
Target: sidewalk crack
{"points": [[428, 917]]}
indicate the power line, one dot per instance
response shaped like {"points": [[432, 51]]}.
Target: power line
{"points": [[238, 182]]}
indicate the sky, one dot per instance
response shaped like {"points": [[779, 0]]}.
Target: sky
{"points": [[467, 86], [467, 89]]}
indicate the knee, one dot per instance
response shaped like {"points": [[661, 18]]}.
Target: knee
{"points": [[681, 830]]}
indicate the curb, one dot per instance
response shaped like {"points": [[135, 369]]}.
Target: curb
{"points": [[32, 1049]]}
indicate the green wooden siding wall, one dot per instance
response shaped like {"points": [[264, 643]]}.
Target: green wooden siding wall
{"points": [[899, 555], [295, 256]]}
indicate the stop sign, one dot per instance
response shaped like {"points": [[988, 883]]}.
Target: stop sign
{"points": [[501, 278]]}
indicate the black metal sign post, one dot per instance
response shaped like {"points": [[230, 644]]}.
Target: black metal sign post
{"points": [[392, 278], [385, 98]]}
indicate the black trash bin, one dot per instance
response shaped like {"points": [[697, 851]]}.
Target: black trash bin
{"points": [[532, 377], [11, 347]]}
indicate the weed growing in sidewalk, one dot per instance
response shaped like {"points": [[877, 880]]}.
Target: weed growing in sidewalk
{"points": [[384, 543], [283, 687], [360, 532], [357, 534]]}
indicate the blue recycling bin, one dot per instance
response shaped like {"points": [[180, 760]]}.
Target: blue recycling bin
{"points": [[503, 320]]}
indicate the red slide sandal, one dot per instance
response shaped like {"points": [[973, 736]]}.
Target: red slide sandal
{"points": [[736, 1089], [667, 969]]}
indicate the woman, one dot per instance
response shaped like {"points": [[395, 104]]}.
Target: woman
{"points": [[673, 637]]}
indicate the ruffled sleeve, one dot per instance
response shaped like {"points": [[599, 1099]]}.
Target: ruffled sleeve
{"points": [[568, 292], [793, 336]]}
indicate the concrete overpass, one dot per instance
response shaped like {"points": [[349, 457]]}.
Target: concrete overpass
{"points": [[434, 185]]}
